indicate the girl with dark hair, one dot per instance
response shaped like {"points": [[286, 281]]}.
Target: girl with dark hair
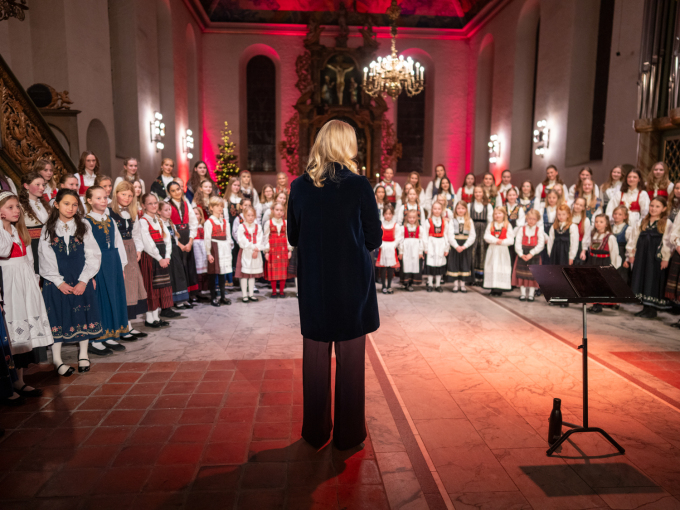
{"points": [[432, 189], [200, 173], [392, 188], [184, 219], [178, 278], [552, 177], [36, 209], [467, 191], [481, 213], [490, 190], [506, 185], [110, 282], [69, 260], [130, 173], [633, 196], [88, 169], [576, 190], [648, 251], [165, 177], [27, 324], [526, 197]]}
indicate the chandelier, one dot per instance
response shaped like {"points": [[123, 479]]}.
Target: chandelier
{"points": [[392, 74]]}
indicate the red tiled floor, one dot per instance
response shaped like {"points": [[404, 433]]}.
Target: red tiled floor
{"points": [[194, 435], [664, 365]]}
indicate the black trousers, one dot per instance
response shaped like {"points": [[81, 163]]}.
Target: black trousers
{"points": [[349, 429]]}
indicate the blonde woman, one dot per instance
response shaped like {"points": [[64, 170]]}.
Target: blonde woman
{"points": [[337, 296], [130, 174]]}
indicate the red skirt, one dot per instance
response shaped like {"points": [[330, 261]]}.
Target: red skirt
{"points": [[155, 298], [276, 268]]}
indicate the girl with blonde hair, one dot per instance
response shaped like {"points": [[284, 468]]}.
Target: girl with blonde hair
{"points": [[461, 237], [659, 182], [46, 169], [130, 174], [165, 177], [529, 243], [499, 235]]}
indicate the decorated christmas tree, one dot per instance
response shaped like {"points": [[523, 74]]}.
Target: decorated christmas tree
{"points": [[227, 161]]}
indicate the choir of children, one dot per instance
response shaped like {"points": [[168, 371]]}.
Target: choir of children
{"points": [[163, 250]]}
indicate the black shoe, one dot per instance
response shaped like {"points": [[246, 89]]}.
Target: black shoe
{"points": [[530, 299], [390, 291], [84, 369], [384, 290], [439, 289], [35, 392], [410, 288], [522, 298], [455, 289], [68, 373], [429, 288], [595, 309], [169, 313], [641, 313], [245, 300], [256, 290], [128, 337], [114, 347], [282, 295], [193, 300], [183, 306], [676, 325], [253, 299], [163, 323], [215, 302], [138, 334], [225, 301], [99, 352], [154, 324], [651, 313], [463, 290], [564, 305], [274, 296]]}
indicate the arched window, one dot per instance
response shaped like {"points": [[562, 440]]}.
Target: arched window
{"points": [[261, 114], [411, 132]]}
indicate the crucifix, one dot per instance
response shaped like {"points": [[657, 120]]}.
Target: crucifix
{"points": [[340, 71]]}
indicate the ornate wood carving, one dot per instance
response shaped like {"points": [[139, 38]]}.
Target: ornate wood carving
{"points": [[13, 9], [391, 148], [24, 134], [330, 85]]}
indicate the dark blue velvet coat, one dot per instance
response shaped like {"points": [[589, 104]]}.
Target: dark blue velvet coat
{"points": [[335, 228]]}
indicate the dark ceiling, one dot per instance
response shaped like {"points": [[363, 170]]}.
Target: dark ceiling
{"points": [[415, 13]]}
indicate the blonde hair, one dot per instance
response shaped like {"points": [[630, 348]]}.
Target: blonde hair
{"points": [[228, 193], [335, 143], [467, 222], [263, 199], [115, 206], [662, 183], [162, 220], [247, 209], [534, 214], [215, 201], [663, 218], [20, 224], [505, 217]]}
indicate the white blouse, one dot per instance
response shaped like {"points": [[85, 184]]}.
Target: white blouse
{"points": [[654, 190], [49, 267], [278, 224], [628, 198], [587, 230], [493, 240], [149, 244], [136, 231], [207, 233], [117, 239], [666, 243], [39, 211], [88, 178], [530, 232], [572, 192], [192, 219], [458, 227], [7, 241], [478, 207]]}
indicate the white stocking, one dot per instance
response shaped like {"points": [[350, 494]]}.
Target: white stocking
{"points": [[56, 355], [532, 291], [429, 279], [149, 317], [523, 291], [251, 286], [437, 280], [244, 287], [82, 352], [156, 314], [455, 285]]}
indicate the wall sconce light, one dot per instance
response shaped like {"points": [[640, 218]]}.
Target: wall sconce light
{"points": [[157, 131], [494, 149], [541, 137], [188, 143]]}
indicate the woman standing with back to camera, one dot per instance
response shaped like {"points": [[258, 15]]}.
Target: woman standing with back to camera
{"points": [[333, 220]]}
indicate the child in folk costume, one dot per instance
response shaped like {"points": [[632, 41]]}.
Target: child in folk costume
{"points": [[499, 235], [552, 177], [199, 173], [233, 198], [139, 193], [446, 190], [165, 177], [184, 219], [178, 280], [111, 281], [35, 210], [490, 190], [155, 262], [277, 251], [412, 203], [266, 200], [70, 181], [200, 256], [381, 199], [604, 249], [467, 191], [548, 211], [563, 240], [130, 173], [88, 169], [674, 202], [580, 219], [45, 168], [106, 183], [526, 196], [392, 189], [123, 210], [659, 183], [593, 203], [529, 242], [411, 251], [432, 189], [218, 246], [447, 206], [281, 198], [461, 236], [202, 197], [673, 283], [633, 196], [435, 247], [27, 324], [247, 189], [612, 186], [649, 251], [481, 213], [622, 231], [576, 190], [387, 261], [515, 214], [414, 180], [239, 219], [249, 263], [505, 186], [70, 259]]}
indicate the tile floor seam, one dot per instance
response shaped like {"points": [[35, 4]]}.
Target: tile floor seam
{"points": [[421, 446]]}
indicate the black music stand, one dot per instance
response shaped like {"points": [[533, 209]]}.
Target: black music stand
{"points": [[582, 285]]}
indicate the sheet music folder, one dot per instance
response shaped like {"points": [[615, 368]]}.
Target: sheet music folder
{"points": [[582, 284]]}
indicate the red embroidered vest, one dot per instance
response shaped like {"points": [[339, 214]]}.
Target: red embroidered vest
{"points": [[388, 234], [529, 241], [176, 217], [502, 234], [436, 231], [219, 232], [411, 235], [251, 237], [156, 235], [18, 251], [634, 206]]}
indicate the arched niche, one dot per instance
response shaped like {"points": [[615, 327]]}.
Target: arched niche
{"points": [[425, 100], [97, 140], [483, 105], [247, 55], [524, 86]]}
